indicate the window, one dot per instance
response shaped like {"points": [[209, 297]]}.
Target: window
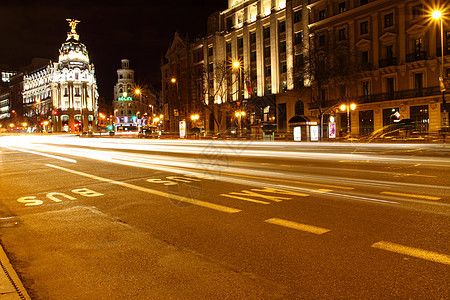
{"points": [[364, 27], [240, 42], [267, 52], [389, 52], [210, 51], [365, 57], [447, 47], [341, 7], [283, 47], [418, 46], [210, 67], [419, 115], [363, 2], [284, 86], [283, 67], [299, 62], [322, 40], [297, 16], [253, 56], [120, 76], [390, 85], [389, 115], [298, 38], [417, 11], [76, 76], [267, 71], [299, 108], [322, 14], [228, 48], [342, 34], [282, 26], [229, 23], [266, 32], [366, 88], [418, 82], [252, 37], [389, 20], [77, 91]]}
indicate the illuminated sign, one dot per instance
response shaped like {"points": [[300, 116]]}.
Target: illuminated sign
{"points": [[121, 98], [314, 133], [182, 129], [297, 134], [332, 130]]}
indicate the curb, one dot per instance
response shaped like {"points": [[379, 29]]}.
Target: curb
{"points": [[11, 286]]}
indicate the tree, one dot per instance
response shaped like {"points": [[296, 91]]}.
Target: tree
{"points": [[324, 65], [213, 89]]}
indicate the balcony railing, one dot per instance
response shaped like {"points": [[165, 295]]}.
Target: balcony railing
{"points": [[405, 94], [392, 61], [419, 55]]}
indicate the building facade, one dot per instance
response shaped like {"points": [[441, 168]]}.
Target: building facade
{"points": [[134, 106], [62, 96], [391, 49]]}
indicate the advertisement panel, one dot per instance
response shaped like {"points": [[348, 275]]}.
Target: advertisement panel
{"points": [[182, 129], [332, 130], [314, 133], [297, 134]]}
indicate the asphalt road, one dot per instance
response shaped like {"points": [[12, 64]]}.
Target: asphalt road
{"points": [[105, 218]]}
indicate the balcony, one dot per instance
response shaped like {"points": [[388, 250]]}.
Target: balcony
{"points": [[419, 55], [387, 62], [399, 95]]}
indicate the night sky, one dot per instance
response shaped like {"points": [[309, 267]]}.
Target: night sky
{"points": [[139, 30]]}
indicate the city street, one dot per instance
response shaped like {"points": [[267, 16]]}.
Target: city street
{"points": [[120, 218]]}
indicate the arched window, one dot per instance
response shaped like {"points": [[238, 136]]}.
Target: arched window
{"points": [[299, 108]]}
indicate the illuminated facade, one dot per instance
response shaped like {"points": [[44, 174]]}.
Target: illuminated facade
{"points": [[133, 106], [396, 46], [64, 94]]}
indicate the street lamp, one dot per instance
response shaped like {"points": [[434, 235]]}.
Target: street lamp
{"points": [[346, 107], [437, 15], [239, 114], [237, 65]]}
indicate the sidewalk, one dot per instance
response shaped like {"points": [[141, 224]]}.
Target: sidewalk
{"points": [[11, 287]]}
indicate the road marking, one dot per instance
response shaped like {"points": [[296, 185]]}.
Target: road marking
{"points": [[284, 180], [245, 199], [411, 195], [415, 252], [43, 154], [150, 191], [298, 226]]}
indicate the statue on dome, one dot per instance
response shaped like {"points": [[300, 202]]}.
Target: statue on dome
{"points": [[73, 33]]}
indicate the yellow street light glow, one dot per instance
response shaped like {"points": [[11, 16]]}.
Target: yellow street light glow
{"points": [[352, 106], [173, 80], [237, 114], [45, 122], [24, 124], [437, 14], [236, 64], [137, 91], [243, 113], [124, 94], [195, 117], [161, 116], [11, 125], [343, 107], [156, 120]]}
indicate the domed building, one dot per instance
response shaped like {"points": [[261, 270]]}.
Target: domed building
{"points": [[63, 95]]}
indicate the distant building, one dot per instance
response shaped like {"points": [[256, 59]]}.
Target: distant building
{"points": [[133, 105]]}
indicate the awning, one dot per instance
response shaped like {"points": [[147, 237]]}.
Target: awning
{"points": [[303, 120]]}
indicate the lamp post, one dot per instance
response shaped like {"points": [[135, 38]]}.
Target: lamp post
{"points": [[237, 65], [346, 107], [438, 16], [239, 114]]}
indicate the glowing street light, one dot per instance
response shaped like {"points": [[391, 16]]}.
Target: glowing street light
{"points": [[239, 114], [24, 124], [173, 80], [11, 125], [347, 108], [195, 117], [437, 15]]}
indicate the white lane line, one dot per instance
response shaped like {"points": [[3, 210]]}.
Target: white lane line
{"points": [[150, 191], [415, 252], [245, 199], [411, 195], [297, 226], [43, 154]]}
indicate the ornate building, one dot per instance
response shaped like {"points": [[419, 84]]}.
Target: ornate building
{"points": [[63, 95]]}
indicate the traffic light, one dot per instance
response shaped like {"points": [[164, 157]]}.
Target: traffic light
{"points": [[55, 112]]}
